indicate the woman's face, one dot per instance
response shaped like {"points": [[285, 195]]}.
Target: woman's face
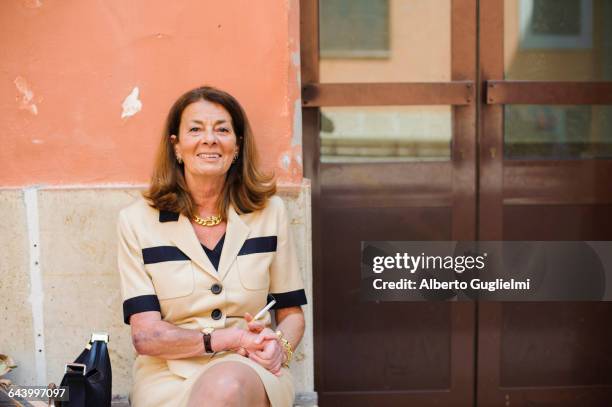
{"points": [[206, 140]]}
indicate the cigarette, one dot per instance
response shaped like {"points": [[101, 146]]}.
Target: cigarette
{"points": [[264, 310]]}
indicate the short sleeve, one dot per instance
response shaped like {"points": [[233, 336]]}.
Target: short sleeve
{"points": [[286, 285], [137, 288]]}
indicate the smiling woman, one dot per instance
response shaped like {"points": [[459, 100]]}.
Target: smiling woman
{"points": [[200, 118], [208, 246]]}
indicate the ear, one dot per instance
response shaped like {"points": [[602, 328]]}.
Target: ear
{"points": [[238, 144], [175, 145]]}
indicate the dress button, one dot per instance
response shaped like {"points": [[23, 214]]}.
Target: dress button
{"points": [[216, 288], [216, 314]]}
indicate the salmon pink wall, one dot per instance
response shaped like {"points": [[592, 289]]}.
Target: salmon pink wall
{"points": [[67, 67]]}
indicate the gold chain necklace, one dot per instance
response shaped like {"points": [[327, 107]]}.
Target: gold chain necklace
{"points": [[207, 221]]}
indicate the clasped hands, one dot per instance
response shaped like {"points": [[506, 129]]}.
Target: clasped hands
{"points": [[261, 345]]}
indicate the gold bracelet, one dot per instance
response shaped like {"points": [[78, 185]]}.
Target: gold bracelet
{"points": [[286, 346]]}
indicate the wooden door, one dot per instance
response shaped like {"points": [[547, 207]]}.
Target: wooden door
{"points": [[392, 156], [545, 150], [530, 158]]}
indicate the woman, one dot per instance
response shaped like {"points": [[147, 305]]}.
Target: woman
{"points": [[205, 250]]}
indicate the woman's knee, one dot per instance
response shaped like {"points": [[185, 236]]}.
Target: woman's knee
{"points": [[227, 389], [226, 384]]}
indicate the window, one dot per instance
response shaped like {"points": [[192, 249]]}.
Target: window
{"points": [[354, 28], [556, 24]]}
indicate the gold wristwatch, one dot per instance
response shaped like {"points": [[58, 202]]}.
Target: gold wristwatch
{"points": [[286, 346]]}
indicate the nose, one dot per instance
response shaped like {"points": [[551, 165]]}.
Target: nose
{"points": [[209, 136]]}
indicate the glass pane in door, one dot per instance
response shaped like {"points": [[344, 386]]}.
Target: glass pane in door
{"points": [[385, 134], [385, 40], [557, 132], [558, 40]]}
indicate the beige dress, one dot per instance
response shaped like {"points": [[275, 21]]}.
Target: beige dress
{"points": [[164, 268]]}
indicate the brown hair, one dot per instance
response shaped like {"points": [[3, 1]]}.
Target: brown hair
{"points": [[246, 188]]}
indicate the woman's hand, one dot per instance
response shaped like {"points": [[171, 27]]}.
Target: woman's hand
{"points": [[247, 342], [272, 355]]}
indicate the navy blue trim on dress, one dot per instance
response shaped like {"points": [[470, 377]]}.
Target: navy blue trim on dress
{"points": [[167, 216], [142, 303], [262, 244], [288, 299], [159, 254]]}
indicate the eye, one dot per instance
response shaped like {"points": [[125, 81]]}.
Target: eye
{"points": [[224, 130], [194, 129]]}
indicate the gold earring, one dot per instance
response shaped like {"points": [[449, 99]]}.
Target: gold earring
{"points": [[179, 159]]}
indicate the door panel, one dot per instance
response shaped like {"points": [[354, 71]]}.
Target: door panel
{"points": [[558, 222], [565, 350], [383, 346], [552, 184], [389, 130]]}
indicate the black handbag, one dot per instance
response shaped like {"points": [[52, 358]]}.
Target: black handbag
{"points": [[89, 377]]}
